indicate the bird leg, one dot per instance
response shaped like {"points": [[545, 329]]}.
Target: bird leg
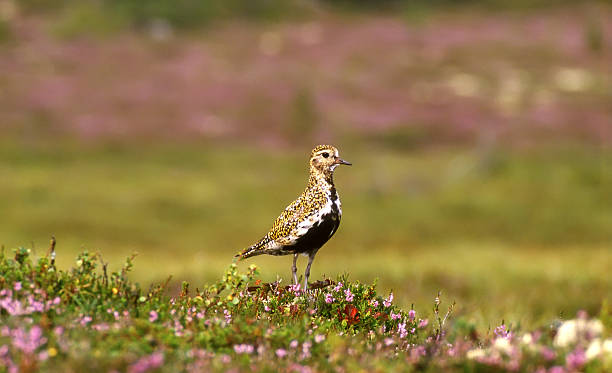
{"points": [[307, 273], [294, 269]]}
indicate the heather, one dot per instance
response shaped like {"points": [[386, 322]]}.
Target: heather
{"points": [[87, 318], [480, 137]]}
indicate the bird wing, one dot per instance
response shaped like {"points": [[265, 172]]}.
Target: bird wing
{"points": [[284, 231], [286, 228]]}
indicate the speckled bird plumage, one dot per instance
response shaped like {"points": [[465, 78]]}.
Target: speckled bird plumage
{"points": [[309, 221]]}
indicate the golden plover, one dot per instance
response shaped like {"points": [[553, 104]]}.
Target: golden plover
{"points": [[309, 221]]}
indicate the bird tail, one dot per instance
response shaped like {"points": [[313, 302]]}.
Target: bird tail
{"points": [[253, 250]]}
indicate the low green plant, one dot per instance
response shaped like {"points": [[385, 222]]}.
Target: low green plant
{"points": [[87, 319]]}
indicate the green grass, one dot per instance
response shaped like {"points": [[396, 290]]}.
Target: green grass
{"points": [[88, 318], [516, 235]]}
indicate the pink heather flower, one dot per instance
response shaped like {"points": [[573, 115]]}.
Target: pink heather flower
{"points": [[319, 338], [58, 330], [502, 332], [423, 323], [548, 353], [13, 307], [293, 344], [395, 316], [17, 286], [349, 295], [85, 320], [153, 316], [295, 289], [338, 287], [35, 306], [411, 314], [306, 350], [266, 308], [387, 302], [401, 329], [556, 369], [575, 360], [281, 352], [100, 327], [417, 352], [28, 342], [200, 315], [228, 316], [374, 303], [581, 314], [147, 363], [388, 341], [329, 298], [244, 349]]}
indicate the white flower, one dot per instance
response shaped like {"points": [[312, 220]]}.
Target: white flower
{"points": [[502, 345], [572, 330], [475, 353], [598, 348], [527, 339], [573, 80], [594, 349]]}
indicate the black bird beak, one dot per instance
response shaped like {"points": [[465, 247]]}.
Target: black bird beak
{"points": [[342, 161]]}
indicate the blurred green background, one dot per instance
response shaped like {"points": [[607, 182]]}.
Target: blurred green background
{"points": [[480, 133]]}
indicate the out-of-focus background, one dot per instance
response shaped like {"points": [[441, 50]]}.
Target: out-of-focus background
{"points": [[480, 133]]}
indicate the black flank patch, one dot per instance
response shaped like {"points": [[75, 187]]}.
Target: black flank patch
{"points": [[317, 235]]}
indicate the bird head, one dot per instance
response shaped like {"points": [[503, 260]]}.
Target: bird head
{"points": [[324, 159]]}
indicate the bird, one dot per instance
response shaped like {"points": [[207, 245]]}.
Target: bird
{"points": [[309, 221]]}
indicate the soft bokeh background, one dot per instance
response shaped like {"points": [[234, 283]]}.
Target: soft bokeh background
{"points": [[480, 133]]}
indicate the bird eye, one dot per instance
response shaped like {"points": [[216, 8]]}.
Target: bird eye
{"points": [[325, 155]]}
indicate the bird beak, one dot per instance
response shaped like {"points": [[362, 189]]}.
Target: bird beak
{"points": [[342, 161]]}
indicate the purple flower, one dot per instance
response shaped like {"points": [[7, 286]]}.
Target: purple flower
{"points": [[153, 316], [85, 320], [329, 298], [548, 354], [35, 306], [13, 307], [338, 287], [281, 352], [228, 316], [319, 338], [295, 289], [28, 342], [17, 286], [349, 295], [401, 329], [411, 314], [147, 363], [293, 344], [374, 303], [244, 349], [387, 302], [575, 359], [502, 332], [306, 350], [395, 316], [423, 323]]}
